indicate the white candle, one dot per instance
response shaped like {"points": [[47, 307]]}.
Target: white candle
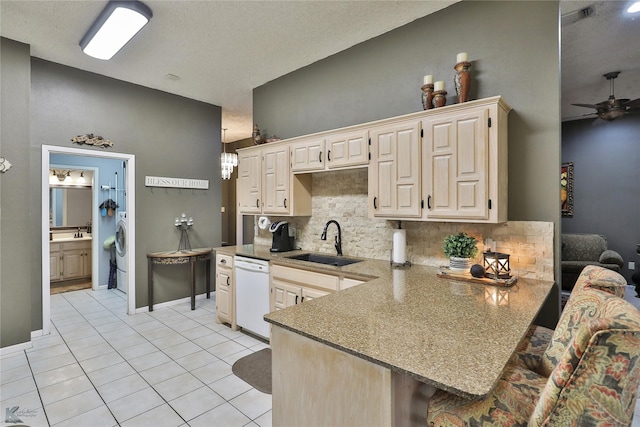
{"points": [[439, 85], [462, 57], [428, 79]]}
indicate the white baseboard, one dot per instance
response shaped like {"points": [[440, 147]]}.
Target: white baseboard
{"points": [[171, 303], [36, 334], [15, 348]]}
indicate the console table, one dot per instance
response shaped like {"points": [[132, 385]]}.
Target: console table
{"points": [[178, 258]]}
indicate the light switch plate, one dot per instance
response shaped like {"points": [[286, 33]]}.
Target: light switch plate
{"points": [[632, 265], [223, 209]]}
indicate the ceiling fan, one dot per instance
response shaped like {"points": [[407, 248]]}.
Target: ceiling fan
{"points": [[613, 108]]}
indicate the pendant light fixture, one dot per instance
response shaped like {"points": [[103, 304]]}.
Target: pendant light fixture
{"points": [[227, 160], [114, 27]]}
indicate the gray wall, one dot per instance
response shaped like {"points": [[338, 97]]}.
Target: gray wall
{"points": [[16, 266], [606, 156], [514, 48], [169, 135]]}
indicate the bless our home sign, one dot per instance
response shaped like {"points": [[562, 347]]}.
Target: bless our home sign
{"points": [[167, 182]]}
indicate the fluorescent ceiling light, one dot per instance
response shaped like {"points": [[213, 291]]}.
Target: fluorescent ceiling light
{"points": [[634, 8], [114, 27]]}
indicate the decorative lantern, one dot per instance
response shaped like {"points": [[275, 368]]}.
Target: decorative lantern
{"points": [[496, 265]]}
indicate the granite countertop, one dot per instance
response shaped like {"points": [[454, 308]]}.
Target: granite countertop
{"points": [[451, 334]]}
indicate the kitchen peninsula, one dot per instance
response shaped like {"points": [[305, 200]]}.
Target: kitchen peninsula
{"points": [[360, 355]]}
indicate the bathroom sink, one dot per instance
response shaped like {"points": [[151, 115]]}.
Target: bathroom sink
{"points": [[337, 261]]}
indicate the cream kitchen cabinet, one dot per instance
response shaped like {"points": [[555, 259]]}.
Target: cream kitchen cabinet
{"points": [[347, 149], [249, 186], [225, 291], [291, 286], [70, 260], [394, 170], [308, 155], [464, 161], [277, 176], [266, 184]]}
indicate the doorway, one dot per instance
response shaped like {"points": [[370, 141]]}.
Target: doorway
{"points": [[96, 245]]}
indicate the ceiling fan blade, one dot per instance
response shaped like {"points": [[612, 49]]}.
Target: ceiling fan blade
{"points": [[634, 104], [588, 105]]}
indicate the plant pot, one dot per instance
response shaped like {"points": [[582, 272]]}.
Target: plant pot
{"points": [[460, 264]]}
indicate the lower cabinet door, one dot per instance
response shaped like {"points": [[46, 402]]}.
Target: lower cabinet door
{"points": [[309, 294], [223, 297], [284, 295]]}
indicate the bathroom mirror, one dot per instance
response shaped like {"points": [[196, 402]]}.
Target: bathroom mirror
{"points": [[69, 207]]}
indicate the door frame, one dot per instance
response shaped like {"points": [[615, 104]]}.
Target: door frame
{"points": [[47, 150]]}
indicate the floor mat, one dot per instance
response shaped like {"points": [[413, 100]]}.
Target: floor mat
{"points": [[255, 369]]}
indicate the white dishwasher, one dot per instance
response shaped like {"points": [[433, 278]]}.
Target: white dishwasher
{"points": [[252, 294]]}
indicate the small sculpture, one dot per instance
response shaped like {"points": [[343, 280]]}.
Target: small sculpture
{"points": [[90, 139], [257, 138]]}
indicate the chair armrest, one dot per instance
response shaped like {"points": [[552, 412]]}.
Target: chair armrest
{"points": [[611, 257]]}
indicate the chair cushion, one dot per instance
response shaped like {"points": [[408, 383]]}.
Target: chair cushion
{"points": [[510, 404], [580, 307], [536, 341], [529, 352], [596, 380]]}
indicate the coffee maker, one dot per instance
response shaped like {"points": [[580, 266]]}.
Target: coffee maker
{"points": [[281, 240]]}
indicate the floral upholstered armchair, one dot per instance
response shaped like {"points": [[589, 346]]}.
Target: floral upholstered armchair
{"points": [[580, 250], [588, 376]]}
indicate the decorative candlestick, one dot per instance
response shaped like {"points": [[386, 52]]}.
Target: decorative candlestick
{"points": [[462, 80], [184, 224], [439, 98], [427, 96]]}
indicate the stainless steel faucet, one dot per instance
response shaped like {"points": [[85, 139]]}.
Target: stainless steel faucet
{"points": [[338, 244]]}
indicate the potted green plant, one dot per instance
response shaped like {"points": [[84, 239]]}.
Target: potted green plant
{"points": [[460, 249]]}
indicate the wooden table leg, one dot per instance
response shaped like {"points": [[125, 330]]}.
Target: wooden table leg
{"points": [[208, 267], [193, 283], [150, 283]]}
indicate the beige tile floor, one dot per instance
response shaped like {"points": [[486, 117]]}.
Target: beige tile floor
{"points": [[101, 367]]}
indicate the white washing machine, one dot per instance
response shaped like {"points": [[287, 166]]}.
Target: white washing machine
{"points": [[121, 252]]}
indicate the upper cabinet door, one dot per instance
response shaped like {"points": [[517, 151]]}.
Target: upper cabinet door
{"points": [[456, 165], [276, 180], [347, 149], [394, 170], [249, 185], [308, 155]]}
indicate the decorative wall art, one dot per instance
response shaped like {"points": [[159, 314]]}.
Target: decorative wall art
{"points": [[91, 139], [566, 189]]}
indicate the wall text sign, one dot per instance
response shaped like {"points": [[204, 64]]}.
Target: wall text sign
{"points": [[163, 181]]}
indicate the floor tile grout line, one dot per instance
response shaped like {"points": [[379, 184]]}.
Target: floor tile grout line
{"points": [[71, 304]]}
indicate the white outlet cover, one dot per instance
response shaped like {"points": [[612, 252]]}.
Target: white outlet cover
{"points": [[632, 265], [223, 209]]}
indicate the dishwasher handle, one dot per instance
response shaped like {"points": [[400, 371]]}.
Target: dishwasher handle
{"points": [[249, 264]]}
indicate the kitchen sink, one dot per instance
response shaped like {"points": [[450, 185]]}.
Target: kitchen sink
{"points": [[337, 261]]}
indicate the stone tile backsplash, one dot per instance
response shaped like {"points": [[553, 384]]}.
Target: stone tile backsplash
{"points": [[342, 195]]}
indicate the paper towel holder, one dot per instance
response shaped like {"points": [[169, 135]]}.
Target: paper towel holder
{"points": [[405, 264]]}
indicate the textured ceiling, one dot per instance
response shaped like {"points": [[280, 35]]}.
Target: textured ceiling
{"points": [[606, 41], [220, 50]]}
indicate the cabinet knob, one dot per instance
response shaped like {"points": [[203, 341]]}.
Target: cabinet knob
{"points": [[329, 155], [228, 284], [257, 203], [320, 157], [223, 261], [285, 203], [375, 199], [429, 201]]}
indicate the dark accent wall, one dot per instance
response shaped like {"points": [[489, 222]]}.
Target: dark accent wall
{"points": [[514, 49], [17, 268], [169, 136], [606, 158]]}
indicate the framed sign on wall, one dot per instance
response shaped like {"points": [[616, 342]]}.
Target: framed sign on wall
{"points": [[566, 189]]}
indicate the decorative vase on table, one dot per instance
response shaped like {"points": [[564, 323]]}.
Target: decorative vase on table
{"points": [[460, 249], [462, 265]]}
